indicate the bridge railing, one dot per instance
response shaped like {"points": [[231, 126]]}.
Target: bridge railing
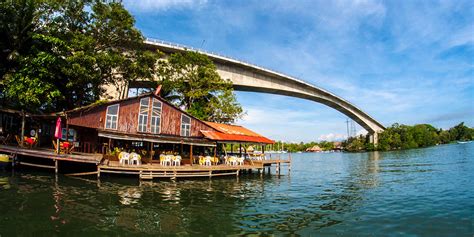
{"points": [[248, 63], [229, 57]]}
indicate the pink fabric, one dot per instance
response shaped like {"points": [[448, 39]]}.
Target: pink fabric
{"points": [[58, 131]]}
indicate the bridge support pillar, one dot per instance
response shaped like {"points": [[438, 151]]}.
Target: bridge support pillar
{"points": [[374, 138]]}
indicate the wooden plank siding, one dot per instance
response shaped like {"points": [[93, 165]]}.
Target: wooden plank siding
{"points": [[128, 118], [92, 118]]}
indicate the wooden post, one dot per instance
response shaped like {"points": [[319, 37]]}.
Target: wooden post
{"points": [[98, 172], [240, 149], [58, 145], [191, 154], [67, 130], [215, 150], [181, 151], [22, 138], [150, 149], [231, 148], [56, 166], [289, 165]]}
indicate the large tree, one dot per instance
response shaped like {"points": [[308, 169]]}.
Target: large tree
{"points": [[190, 80], [59, 54]]}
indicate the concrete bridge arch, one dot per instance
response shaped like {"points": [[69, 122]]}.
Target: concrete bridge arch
{"points": [[249, 77]]}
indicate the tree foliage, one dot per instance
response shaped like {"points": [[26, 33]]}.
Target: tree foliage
{"points": [[295, 147], [58, 55], [190, 81], [399, 137]]}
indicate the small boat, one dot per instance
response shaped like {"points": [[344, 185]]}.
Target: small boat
{"points": [[463, 142], [4, 160]]}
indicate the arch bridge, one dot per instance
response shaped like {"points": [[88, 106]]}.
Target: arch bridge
{"points": [[249, 77]]}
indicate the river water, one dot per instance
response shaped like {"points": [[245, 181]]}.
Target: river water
{"points": [[422, 192]]}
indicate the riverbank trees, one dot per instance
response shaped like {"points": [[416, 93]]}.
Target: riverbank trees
{"points": [[395, 137], [59, 55], [400, 137]]}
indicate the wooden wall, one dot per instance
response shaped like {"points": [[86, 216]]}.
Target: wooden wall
{"points": [[128, 118], [93, 118]]}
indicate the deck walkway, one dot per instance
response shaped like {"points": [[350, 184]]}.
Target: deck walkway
{"points": [[151, 170], [50, 154], [144, 171]]}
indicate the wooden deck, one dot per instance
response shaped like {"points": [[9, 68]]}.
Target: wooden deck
{"points": [[150, 171], [144, 171], [270, 162], [50, 154]]}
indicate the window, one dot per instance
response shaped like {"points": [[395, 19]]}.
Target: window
{"points": [[185, 125], [72, 134], [143, 114], [112, 117], [155, 116]]}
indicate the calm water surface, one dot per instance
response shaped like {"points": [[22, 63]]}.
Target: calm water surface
{"points": [[424, 192]]}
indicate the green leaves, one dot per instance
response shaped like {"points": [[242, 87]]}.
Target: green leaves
{"points": [[408, 137], [59, 55], [190, 80], [69, 50]]}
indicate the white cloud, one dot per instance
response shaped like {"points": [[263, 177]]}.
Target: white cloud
{"points": [[463, 36], [381, 56], [158, 5], [332, 137]]}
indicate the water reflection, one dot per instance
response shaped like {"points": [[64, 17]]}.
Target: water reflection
{"points": [[326, 193], [130, 195], [5, 183]]}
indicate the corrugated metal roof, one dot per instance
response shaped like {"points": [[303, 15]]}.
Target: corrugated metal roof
{"points": [[156, 138], [232, 129], [234, 133]]}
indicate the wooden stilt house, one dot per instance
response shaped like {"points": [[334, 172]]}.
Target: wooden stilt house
{"points": [[147, 124]]}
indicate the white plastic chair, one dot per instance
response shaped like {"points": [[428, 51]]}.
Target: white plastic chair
{"points": [[162, 159], [135, 158], [177, 160], [232, 160], [240, 160], [207, 161], [124, 157], [168, 159]]}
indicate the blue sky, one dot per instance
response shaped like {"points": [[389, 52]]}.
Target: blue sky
{"points": [[400, 61]]}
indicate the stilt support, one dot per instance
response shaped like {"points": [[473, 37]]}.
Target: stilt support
{"points": [[56, 168]]}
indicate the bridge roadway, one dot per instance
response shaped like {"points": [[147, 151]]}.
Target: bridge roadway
{"points": [[249, 77]]}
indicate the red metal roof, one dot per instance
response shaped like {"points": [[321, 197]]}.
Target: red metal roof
{"points": [[234, 133]]}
